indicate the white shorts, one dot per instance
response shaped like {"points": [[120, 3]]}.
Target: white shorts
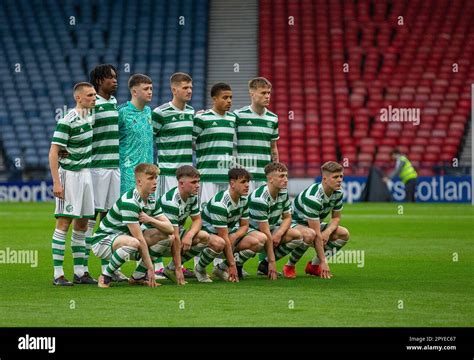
{"points": [[165, 184], [78, 199], [103, 249], [254, 185], [207, 190], [106, 183]]}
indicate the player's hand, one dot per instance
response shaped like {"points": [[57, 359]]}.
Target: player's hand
{"points": [[325, 235], [233, 275], [186, 243], [276, 239], [179, 276], [272, 272], [144, 218], [58, 191], [151, 278], [385, 179], [325, 271]]}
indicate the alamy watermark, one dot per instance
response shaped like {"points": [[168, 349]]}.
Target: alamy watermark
{"points": [[247, 162], [346, 257], [10, 256], [37, 343], [394, 114]]}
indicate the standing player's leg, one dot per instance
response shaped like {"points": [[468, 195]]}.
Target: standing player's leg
{"points": [[78, 247], [58, 247]]}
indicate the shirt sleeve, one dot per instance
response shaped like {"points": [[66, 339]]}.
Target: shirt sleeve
{"points": [[287, 205], [171, 211], [258, 210], [245, 213], [275, 135], [198, 127], [339, 204], [130, 213], [311, 208], [61, 133], [195, 207], [156, 121], [218, 214]]}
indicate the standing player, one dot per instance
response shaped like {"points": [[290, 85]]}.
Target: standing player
{"points": [[227, 216], [178, 204], [105, 151], [120, 238], [270, 217], [214, 131], [173, 133], [311, 207], [72, 183], [257, 132], [136, 132]]}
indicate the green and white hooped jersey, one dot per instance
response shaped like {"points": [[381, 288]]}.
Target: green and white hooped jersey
{"points": [[126, 211], [214, 136], [74, 133], [222, 212], [177, 210], [173, 133], [254, 136], [105, 142], [264, 208], [313, 204]]}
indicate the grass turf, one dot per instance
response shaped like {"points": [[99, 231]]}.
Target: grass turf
{"points": [[409, 279]]}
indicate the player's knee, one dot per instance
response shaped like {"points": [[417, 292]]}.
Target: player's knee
{"points": [[202, 236], [132, 242], [344, 233], [255, 244], [294, 234], [309, 235], [216, 243]]}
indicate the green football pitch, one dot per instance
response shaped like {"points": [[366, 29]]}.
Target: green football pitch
{"points": [[416, 272]]}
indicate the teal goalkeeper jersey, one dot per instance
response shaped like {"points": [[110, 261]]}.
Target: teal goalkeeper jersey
{"points": [[136, 142]]}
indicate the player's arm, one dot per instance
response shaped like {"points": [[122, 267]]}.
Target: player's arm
{"points": [[282, 229], [332, 226], [136, 232], [223, 232], [274, 151], [243, 229], [319, 247], [176, 254], [264, 227], [58, 189], [160, 222], [191, 233]]}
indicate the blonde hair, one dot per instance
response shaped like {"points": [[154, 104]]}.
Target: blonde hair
{"points": [[147, 169]]}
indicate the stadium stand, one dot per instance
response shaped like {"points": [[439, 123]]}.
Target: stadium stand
{"points": [[47, 46], [334, 65]]}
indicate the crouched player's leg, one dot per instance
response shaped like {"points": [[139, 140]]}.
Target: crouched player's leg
{"points": [[245, 248], [116, 250], [291, 240], [336, 241], [159, 245]]}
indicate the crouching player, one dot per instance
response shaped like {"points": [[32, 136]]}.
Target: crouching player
{"points": [[226, 214], [120, 237], [270, 218], [311, 207], [178, 204]]}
